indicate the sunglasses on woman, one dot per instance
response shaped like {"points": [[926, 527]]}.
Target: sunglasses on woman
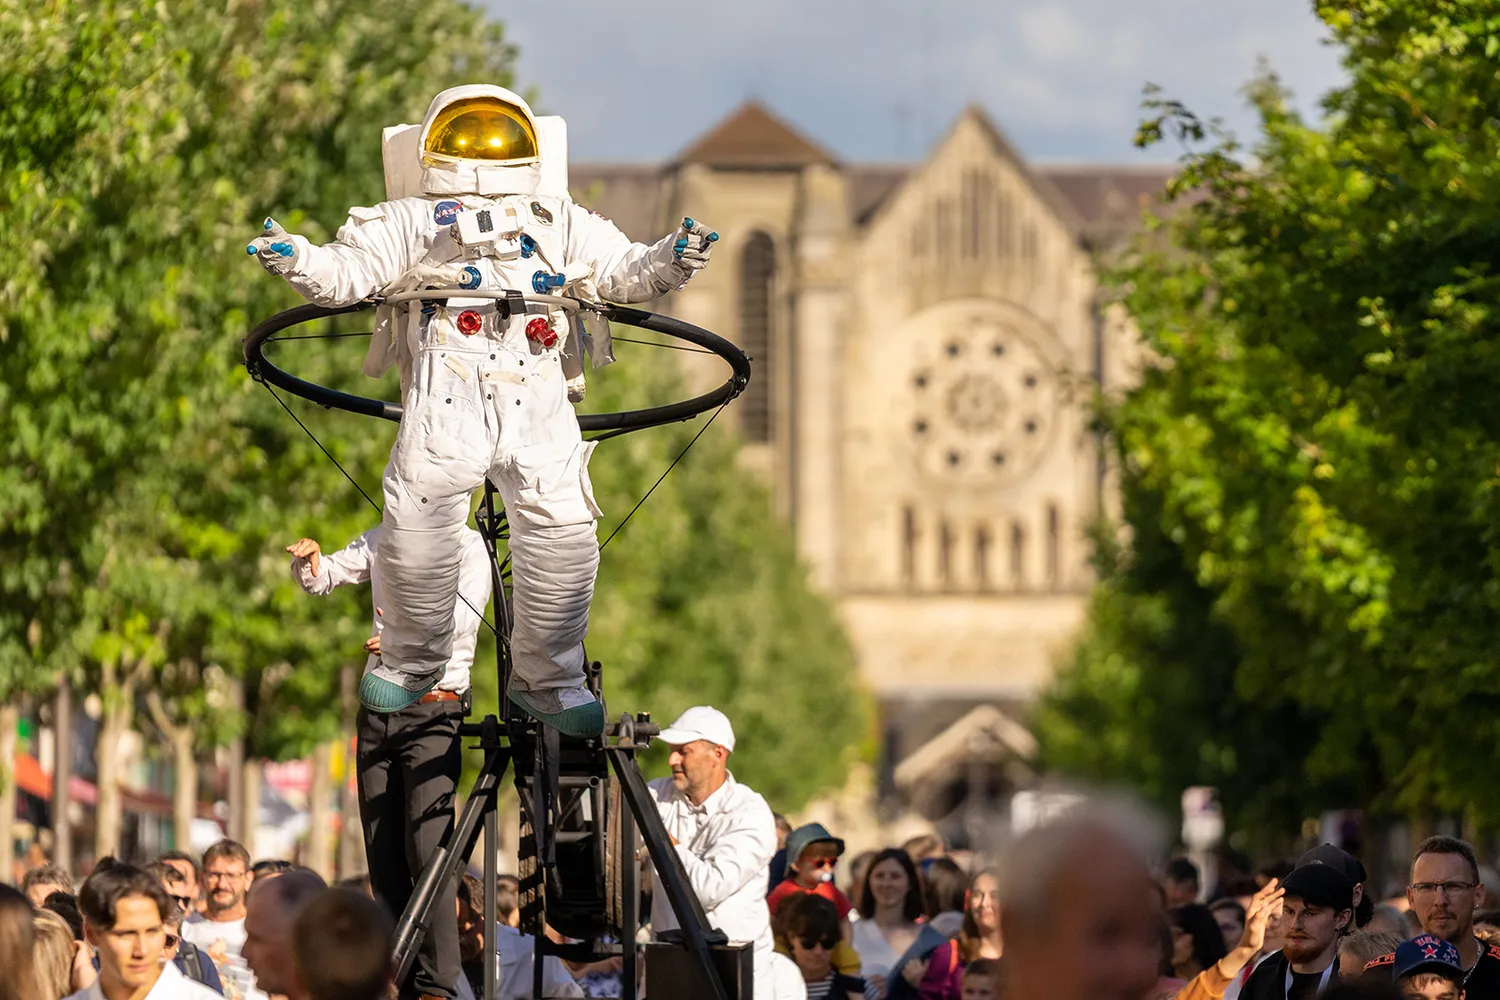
{"points": [[827, 943]]}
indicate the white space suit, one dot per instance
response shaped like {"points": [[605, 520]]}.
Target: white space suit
{"points": [[483, 395]]}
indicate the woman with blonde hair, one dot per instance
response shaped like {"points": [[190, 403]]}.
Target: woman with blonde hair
{"points": [[15, 945], [52, 954]]}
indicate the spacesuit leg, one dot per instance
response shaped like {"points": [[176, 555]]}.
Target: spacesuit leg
{"points": [[439, 459], [554, 559]]}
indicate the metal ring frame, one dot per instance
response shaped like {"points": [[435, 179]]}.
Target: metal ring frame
{"points": [[263, 369]]}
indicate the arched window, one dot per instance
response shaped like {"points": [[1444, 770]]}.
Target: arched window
{"points": [[909, 547], [982, 557], [1017, 556], [757, 270], [969, 217], [1054, 547], [945, 554]]}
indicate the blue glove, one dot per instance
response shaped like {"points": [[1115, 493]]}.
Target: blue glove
{"points": [[694, 245], [274, 248]]}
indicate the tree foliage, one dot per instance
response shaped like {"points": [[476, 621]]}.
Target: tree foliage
{"points": [[1311, 462]]}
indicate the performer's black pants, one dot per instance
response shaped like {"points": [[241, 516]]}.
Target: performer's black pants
{"points": [[409, 763]]}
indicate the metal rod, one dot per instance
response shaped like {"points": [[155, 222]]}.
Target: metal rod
{"points": [[491, 912], [630, 905]]}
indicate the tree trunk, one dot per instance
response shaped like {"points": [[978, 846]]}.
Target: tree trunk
{"points": [[10, 719], [352, 859], [250, 798], [62, 774], [184, 772], [320, 832], [234, 793], [109, 805]]}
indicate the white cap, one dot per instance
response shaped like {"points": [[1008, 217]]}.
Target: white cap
{"points": [[700, 723]]}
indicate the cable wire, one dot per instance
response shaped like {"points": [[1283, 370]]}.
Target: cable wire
{"points": [[310, 434], [664, 475]]}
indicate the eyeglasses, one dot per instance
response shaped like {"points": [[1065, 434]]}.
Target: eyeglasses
{"points": [[223, 876], [818, 862], [827, 944], [1450, 888]]}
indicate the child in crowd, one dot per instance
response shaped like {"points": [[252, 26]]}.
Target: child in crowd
{"points": [[807, 929], [982, 980], [812, 854], [1428, 968]]}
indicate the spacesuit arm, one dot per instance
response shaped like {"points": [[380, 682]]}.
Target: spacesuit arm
{"points": [[737, 856], [624, 271], [372, 249], [350, 564]]}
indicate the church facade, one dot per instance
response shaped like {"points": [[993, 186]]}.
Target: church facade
{"points": [[926, 338]]}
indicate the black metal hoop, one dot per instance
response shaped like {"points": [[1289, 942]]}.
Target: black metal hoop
{"points": [[263, 369]]}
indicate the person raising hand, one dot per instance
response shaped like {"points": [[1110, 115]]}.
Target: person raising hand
{"points": [[1211, 983]]}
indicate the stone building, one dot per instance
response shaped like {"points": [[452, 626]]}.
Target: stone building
{"points": [[926, 337]]}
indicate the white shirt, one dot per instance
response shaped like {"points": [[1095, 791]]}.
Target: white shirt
{"points": [[205, 933], [170, 985], [876, 956], [235, 974], [726, 846], [516, 951], [355, 563]]}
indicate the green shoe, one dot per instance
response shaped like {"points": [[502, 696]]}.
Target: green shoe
{"points": [[382, 696], [550, 708]]}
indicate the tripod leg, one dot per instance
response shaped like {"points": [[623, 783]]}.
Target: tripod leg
{"points": [[447, 862], [630, 904], [491, 917]]}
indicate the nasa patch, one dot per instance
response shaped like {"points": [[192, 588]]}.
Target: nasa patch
{"points": [[540, 213], [445, 212]]}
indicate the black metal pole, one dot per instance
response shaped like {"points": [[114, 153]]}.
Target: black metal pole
{"points": [[491, 917], [630, 905]]}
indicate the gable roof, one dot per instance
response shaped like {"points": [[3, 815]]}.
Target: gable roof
{"points": [[752, 138]]}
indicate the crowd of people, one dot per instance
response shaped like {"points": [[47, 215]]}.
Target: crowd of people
{"points": [[1079, 908]]}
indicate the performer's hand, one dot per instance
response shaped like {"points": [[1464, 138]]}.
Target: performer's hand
{"points": [[274, 248], [372, 644], [694, 244], [307, 549], [915, 970]]}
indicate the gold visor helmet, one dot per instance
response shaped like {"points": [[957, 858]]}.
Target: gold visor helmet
{"points": [[481, 128]]}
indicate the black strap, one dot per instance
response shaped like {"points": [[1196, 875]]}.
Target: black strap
{"points": [[514, 304]]}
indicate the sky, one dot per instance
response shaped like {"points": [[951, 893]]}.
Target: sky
{"points": [[879, 80]]}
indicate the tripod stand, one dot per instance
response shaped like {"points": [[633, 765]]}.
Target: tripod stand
{"points": [[583, 802]]}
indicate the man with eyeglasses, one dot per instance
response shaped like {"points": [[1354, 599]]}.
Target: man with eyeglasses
{"points": [[1444, 888], [220, 928]]}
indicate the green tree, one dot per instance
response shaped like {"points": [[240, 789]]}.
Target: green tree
{"points": [[1316, 436], [143, 474]]}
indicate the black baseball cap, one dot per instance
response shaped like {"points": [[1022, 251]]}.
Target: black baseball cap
{"points": [[1320, 885], [1337, 858]]}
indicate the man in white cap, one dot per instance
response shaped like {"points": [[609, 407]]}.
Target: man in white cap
{"points": [[725, 835]]}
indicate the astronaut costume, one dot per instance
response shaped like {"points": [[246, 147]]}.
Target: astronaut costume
{"points": [[484, 393]]}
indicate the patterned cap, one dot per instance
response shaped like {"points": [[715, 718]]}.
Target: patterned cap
{"points": [[1428, 954]]}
